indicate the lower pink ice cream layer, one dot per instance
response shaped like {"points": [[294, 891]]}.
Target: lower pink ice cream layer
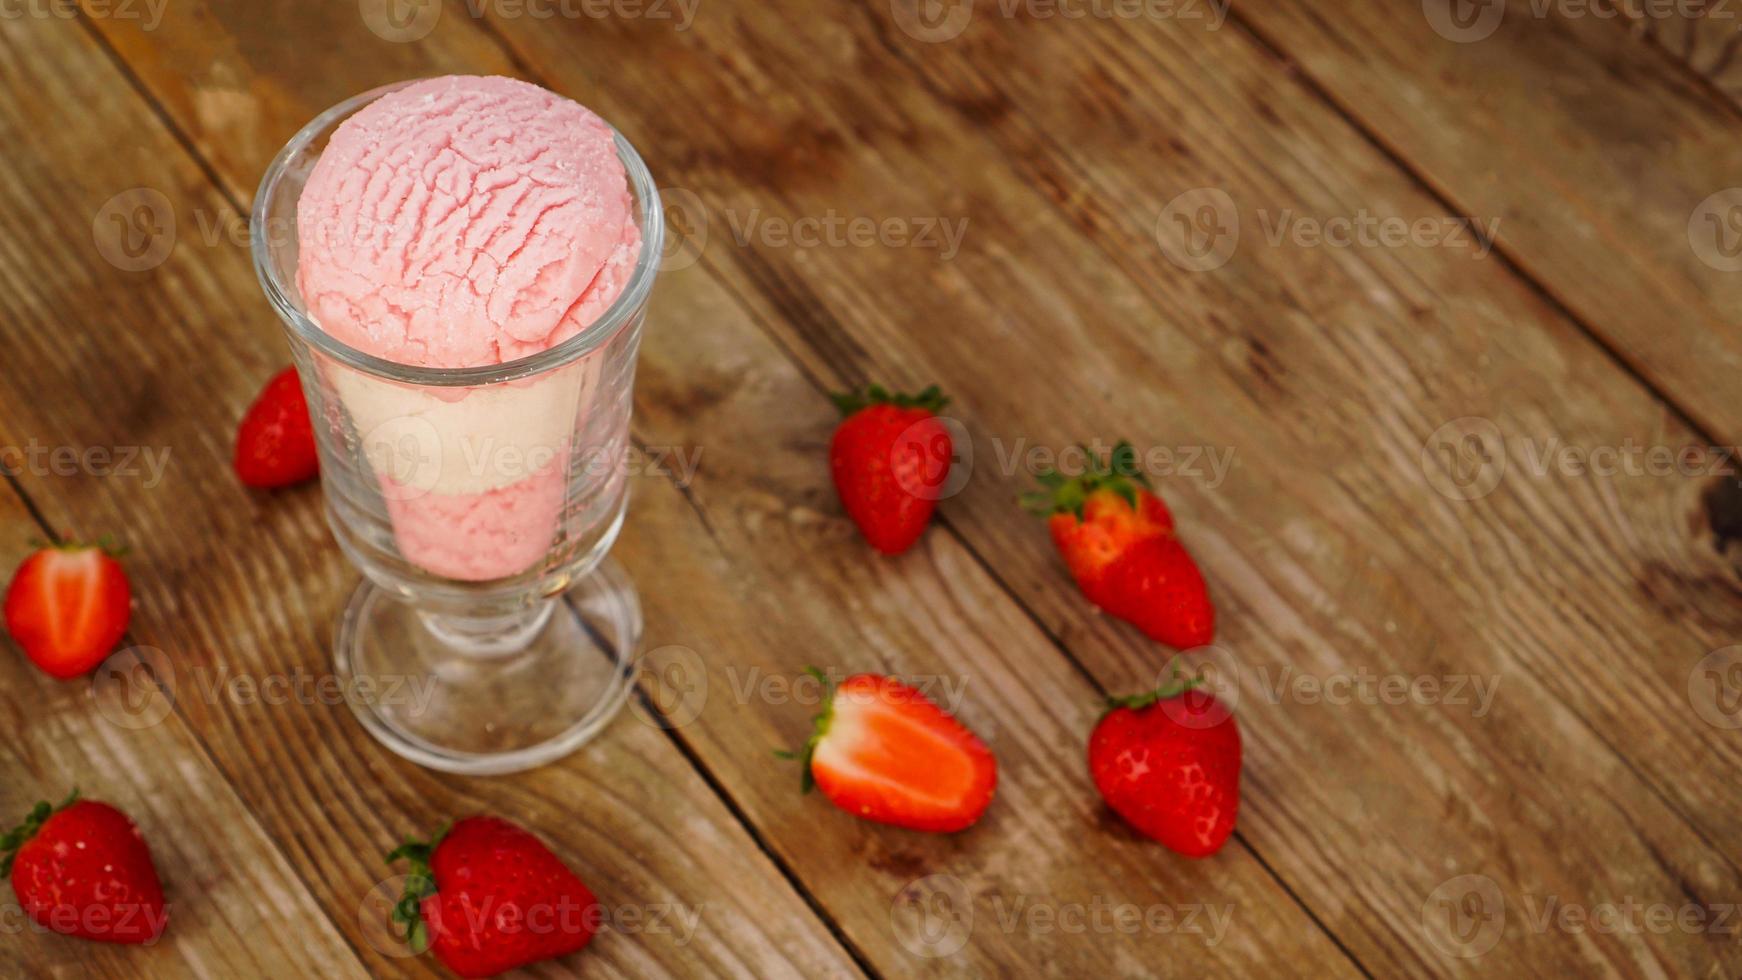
{"points": [[478, 536]]}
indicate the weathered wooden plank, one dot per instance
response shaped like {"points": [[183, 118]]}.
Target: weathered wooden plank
{"points": [[769, 577], [1702, 34], [236, 906], [1315, 567], [750, 575], [722, 590], [232, 584], [1611, 173], [1328, 370]]}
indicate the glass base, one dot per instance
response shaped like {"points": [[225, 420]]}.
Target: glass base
{"points": [[501, 696]]}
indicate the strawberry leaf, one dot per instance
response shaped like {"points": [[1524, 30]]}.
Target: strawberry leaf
{"points": [[1118, 472], [819, 728], [419, 885], [931, 399], [1172, 689], [15, 838]]}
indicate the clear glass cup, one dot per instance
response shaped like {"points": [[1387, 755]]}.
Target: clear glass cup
{"points": [[490, 632]]}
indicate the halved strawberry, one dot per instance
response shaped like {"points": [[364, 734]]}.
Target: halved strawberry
{"points": [[883, 751], [68, 605]]}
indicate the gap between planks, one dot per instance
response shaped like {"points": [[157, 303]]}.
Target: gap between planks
{"points": [[183, 140], [1509, 260], [1516, 267], [1640, 30], [205, 750], [1058, 644], [1512, 262]]}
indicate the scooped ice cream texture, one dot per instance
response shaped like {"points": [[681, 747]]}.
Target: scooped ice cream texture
{"points": [[460, 222]]}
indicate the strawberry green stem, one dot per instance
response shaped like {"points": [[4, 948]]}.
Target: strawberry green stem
{"points": [[931, 399], [1062, 494], [419, 885], [107, 544], [1172, 689], [819, 728], [33, 821]]}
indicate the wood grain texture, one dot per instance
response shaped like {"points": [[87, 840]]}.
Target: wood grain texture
{"points": [[1704, 36], [1605, 165], [1328, 371], [236, 906], [770, 577], [231, 584], [751, 574]]}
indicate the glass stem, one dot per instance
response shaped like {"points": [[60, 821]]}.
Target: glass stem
{"points": [[491, 635]]}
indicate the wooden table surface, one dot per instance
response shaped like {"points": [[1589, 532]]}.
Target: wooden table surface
{"points": [[1428, 321]]}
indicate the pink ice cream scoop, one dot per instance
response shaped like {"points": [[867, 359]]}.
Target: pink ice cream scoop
{"points": [[459, 222]]}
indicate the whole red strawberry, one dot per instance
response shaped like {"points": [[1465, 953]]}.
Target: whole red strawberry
{"points": [[487, 896], [890, 458], [67, 607], [883, 751], [83, 869], [1118, 540], [275, 445], [1169, 763]]}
